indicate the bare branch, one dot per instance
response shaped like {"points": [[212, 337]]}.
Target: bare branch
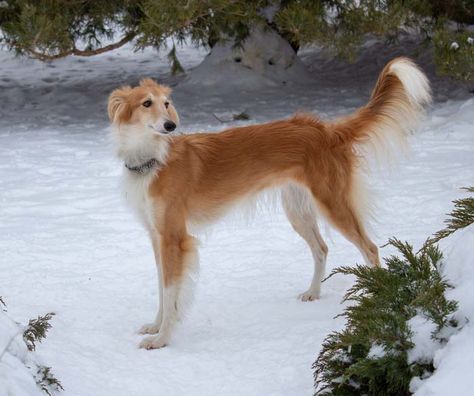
{"points": [[78, 52]]}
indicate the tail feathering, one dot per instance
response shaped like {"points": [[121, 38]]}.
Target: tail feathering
{"points": [[395, 108]]}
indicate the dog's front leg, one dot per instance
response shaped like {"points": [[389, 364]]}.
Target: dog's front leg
{"points": [[179, 258], [154, 327]]}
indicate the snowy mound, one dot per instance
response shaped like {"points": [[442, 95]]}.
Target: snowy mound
{"points": [[264, 59], [452, 361], [16, 376]]}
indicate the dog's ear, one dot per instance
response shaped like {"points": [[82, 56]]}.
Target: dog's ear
{"points": [[119, 108], [166, 90], [148, 82]]}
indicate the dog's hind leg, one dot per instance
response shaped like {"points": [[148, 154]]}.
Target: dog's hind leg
{"points": [[299, 208], [179, 260], [154, 327], [343, 216]]}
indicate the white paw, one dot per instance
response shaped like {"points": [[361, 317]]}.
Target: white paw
{"points": [[153, 342], [309, 296], [149, 328]]}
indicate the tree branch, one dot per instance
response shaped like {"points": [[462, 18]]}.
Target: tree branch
{"points": [[78, 52]]}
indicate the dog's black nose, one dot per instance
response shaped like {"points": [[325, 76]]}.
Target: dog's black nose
{"points": [[169, 126]]}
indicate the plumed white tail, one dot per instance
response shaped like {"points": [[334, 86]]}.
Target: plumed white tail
{"points": [[413, 79], [379, 130], [396, 106]]}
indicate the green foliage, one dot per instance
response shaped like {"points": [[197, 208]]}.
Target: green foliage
{"points": [[454, 53], [382, 303], [461, 217], [176, 67], [205, 22], [36, 330], [353, 20], [50, 29], [302, 22], [47, 381]]}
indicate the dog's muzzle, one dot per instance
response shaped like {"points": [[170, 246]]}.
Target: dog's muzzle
{"points": [[169, 126], [166, 127]]}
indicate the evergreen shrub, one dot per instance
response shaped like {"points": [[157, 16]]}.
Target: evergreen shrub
{"points": [[371, 355]]}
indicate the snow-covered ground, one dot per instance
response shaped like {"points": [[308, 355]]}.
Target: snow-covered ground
{"points": [[18, 366], [69, 244], [452, 359]]}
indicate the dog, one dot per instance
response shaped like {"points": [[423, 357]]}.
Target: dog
{"points": [[175, 181]]}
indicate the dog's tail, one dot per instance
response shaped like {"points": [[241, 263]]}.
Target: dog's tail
{"points": [[380, 128]]}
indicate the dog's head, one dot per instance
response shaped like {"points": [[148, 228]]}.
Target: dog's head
{"points": [[147, 107]]}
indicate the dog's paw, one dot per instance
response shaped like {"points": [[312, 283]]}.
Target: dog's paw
{"points": [[149, 328], [153, 342], [309, 296]]}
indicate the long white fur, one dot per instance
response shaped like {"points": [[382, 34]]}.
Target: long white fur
{"points": [[135, 146], [389, 135], [154, 327], [414, 81], [176, 297], [169, 318], [300, 208]]}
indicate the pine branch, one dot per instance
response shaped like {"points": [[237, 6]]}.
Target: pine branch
{"points": [[36, 330], [47, 381], [462, 216], [369, 356], [77, 52]]}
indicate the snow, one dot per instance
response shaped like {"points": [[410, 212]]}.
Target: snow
{"points": [[264, 60], [16, 376], [70, 245], [425, 347], [376, 351], [457, 355]]}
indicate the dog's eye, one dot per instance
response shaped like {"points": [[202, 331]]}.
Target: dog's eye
{"points": [[147, 103], [167, 104]]}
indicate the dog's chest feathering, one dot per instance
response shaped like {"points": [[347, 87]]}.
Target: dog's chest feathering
{"points": [[136, 189], [135, 148]]}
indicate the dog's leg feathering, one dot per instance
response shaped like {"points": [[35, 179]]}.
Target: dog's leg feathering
{"points": [[179, 260], [154, 327], [300, 211]]}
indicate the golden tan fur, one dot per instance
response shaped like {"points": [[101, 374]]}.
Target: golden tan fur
{"points": [[125, 103], [205, 173]]}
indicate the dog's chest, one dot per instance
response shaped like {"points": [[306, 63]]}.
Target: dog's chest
{"points": [[136, 189]]}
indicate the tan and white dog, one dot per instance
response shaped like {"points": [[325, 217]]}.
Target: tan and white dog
{"points": [[175, 181]]}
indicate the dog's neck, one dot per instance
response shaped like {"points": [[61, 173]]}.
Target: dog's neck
{"points": [[140, 150], [145, 167]]}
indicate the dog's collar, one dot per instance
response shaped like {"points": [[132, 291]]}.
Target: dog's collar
{"points": [[144, 168]]}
